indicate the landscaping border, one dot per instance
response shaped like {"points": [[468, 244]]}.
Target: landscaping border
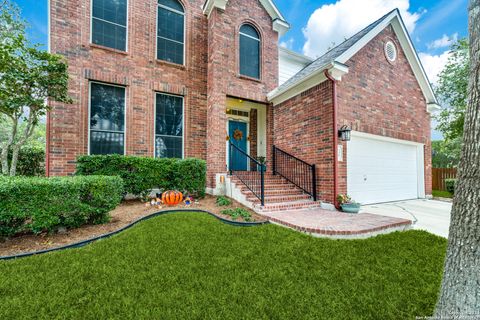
{"points": [[107, 235]]}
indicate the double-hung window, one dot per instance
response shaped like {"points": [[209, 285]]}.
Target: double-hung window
{"points": [[109, 23], [170, 31], [249, 52], [168, 126], [107, 119]]}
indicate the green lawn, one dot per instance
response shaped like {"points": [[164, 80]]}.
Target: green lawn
{"points": [[190, 265], [441, 194]]}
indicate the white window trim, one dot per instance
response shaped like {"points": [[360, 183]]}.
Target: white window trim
{"points": [[184, 33], [126, 26], [156, 93], [124, 113]]}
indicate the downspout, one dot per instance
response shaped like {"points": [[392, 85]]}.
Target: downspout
{"points": [[335, 138], [47, 147]]}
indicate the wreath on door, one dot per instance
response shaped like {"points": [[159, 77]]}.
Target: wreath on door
{"points": [[237, 135]]}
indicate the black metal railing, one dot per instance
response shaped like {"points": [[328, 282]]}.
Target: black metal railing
{"points": [[248, 170], [295, 170]]}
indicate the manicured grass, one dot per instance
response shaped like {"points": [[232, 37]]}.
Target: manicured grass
{"points": [[190, 265], [441, 194]]}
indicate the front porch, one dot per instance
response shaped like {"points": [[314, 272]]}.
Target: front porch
{"points": [[338, 225]]}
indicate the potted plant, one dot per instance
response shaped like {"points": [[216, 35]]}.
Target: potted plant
{"points": [[347, 204], [263, 161]]}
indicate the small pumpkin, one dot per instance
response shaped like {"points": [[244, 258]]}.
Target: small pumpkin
{"points": [[172, 198]]}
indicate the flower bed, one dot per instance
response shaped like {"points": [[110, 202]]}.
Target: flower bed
{"points": [[126, 213]]}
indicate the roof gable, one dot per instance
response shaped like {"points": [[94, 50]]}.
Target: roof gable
{"points": [[347, 49], [279, 23]]}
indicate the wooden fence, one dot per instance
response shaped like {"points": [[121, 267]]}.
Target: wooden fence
{"points": [[439, 175]]}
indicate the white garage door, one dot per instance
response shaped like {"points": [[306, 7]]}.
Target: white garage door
{"points": [[382, 171]]}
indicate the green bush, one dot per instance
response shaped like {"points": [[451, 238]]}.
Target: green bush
{"points": [[223, 201], [238, 212], [31, 161], [450, 185], [141, 175], [30, 204]]}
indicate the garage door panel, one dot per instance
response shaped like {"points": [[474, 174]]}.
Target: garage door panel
{"points": [[381, 171]]}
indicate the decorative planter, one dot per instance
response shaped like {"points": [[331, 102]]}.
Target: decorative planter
{"points": [[350, 207]]}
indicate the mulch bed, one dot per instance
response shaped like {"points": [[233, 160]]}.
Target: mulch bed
{"points": [[126, 213]]}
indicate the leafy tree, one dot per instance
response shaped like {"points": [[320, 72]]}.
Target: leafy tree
{"points": [[28, 77], [446, 153], [460, 292], [452, 91]]}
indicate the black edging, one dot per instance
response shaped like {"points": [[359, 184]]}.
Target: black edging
{"points": [[107, 235]]}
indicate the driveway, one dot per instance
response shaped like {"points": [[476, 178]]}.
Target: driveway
{"points": [[430, 215]]}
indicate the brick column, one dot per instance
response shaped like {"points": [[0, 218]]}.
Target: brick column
{"points": [[216, 98]]}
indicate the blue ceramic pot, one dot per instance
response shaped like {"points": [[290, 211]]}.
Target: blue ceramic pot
{"points": [[350, 207]]}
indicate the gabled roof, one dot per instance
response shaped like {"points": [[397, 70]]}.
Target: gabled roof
{"points": [[336, 58], [279, 23]]}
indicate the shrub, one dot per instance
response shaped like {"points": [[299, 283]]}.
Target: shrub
{"points": [[31, 204], [450, 185], [31, 161], [223, 201], [141, 175], [238, 212]]}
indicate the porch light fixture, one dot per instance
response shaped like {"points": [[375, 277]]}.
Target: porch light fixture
{"points": [[344, 133]]}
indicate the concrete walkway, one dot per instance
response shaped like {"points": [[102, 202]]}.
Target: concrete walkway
{"points": [[333, 224], [430, 215]]}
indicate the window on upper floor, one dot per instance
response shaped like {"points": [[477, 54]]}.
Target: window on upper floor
{"points": [[107, 119], [170, 31], [168, 126], [249, 51], [109, 23]]}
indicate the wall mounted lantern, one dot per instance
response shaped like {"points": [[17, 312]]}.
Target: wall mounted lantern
{"points": [[344, 133]]}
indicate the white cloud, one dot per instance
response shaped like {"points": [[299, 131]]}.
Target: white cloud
{"points": [[332, 23], [434, 64], [444, 41], [287, 44]]}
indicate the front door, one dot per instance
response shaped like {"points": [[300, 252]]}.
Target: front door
{"points": [[237, 131]]}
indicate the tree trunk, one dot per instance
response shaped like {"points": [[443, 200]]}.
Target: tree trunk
{"points": [[460, 291], [14, 161], [6, 146], [4, 159]]}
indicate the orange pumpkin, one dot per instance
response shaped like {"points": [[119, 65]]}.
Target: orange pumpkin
{"points": [[172, 198]]}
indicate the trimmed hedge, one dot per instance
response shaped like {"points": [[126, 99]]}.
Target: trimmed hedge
{"points": [[141, 175], [450, 185], [30, 204]]}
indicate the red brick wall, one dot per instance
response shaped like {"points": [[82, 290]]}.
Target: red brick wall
{"points": [[137, 69], [211, 55], [376, 97], [383, 98], [223, 72], [303, 126]]}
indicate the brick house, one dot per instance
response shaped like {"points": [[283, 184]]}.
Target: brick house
{"points": [[207, 79]]}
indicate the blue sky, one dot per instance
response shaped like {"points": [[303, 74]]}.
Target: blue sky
{"points": [[317, 24]]}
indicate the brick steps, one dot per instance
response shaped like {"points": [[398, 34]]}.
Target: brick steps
{"points": [[280, 195], [284, 206], [280, 198], [274, 192]]}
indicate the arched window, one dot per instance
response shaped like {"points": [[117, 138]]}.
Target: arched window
{"points": [[249, 51], [170, 31]]}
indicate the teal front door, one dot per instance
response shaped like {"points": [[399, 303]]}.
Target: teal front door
{"points": [[237, 131]]}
